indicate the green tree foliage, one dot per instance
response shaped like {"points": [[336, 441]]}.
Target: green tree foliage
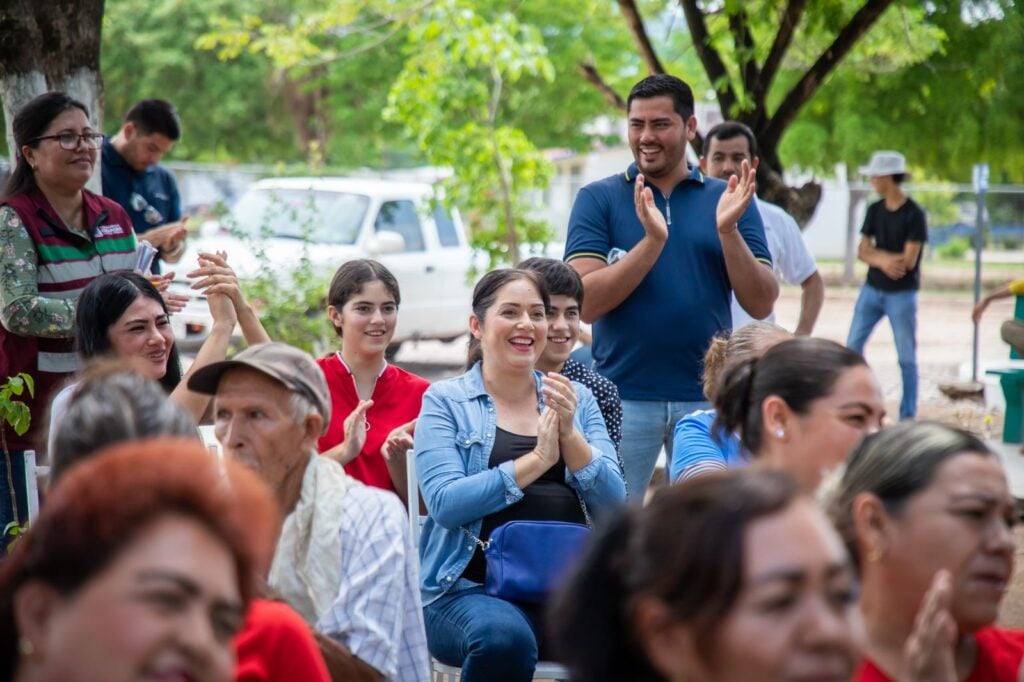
{"points": [[960, 105], [766, 59], [449, 96], [248, 108], [14, 414], [474, 86], [230, 111]]}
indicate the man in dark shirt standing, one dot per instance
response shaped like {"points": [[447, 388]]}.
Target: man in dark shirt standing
{"points": [[134, 178], [894, 231]]}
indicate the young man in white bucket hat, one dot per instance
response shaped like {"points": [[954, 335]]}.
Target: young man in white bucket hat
{"points": [[894, 231]]}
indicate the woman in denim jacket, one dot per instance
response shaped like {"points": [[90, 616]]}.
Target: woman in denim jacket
{"points": [[498, 443]]}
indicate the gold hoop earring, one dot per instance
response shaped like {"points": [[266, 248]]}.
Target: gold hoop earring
{"points": [[875, 555]]}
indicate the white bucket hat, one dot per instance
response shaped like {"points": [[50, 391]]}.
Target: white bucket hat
{"points": [[885, 163]]}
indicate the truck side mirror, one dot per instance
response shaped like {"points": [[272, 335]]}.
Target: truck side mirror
{"points": [[385, 242]]}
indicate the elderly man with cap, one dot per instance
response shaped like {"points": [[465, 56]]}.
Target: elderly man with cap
{"points": [[894, 231], [344, 558]]}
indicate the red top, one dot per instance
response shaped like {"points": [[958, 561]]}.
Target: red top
{"points": [[275, 644], [397, 397], [999, 658]]}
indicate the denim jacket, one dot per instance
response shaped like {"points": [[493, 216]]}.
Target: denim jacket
{"points": [[454, 437]]}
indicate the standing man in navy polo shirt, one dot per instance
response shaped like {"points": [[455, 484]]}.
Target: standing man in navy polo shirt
{"points": [[134, 178], [660, 249]]}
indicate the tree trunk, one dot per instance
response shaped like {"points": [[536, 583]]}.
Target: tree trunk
{"points": [[799, 202], [16, 89], [52, 45]]}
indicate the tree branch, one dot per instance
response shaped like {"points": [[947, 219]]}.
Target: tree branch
{"points": [[787, 27], [805, 88], [713, 64], [613, 98], [746, 51], [643, 43]]}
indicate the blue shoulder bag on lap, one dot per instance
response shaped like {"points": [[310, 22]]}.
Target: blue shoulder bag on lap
{"points": [[528, 560]]}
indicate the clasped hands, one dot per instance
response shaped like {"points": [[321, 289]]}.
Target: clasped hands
{"points": [[557, 420]]}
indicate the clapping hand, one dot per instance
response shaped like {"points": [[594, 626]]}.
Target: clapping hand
{"points": [[547, 439], [560, 396], [398, 442], [175, 302], [167, 237], [736, 198], [929, 654], [650, 217], [220, 285], [355, 427]]}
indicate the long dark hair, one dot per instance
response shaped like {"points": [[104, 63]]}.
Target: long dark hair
{"points": [[800, 371], [685, 549], [102, 303], [29, 123], [486, 291]]}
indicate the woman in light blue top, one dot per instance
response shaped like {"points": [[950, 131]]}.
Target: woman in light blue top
{"points": [[697, 447], [499, 443]]}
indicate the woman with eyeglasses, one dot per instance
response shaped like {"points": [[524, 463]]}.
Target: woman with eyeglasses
{"points": [[55, 237]]}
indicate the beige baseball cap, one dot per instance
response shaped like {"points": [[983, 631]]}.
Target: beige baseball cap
{"points": [[294, 368]]}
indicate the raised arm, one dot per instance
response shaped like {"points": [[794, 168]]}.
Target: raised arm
{"points": [[753, 281], [220, 278], [607, 286], [215, 347]]}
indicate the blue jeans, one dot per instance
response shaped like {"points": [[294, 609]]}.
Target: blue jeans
{"points": [[489, 638], [18, 476], [901, 309], [647, 426]]}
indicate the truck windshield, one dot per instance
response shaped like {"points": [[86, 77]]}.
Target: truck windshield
{"points": [[319, 216]]}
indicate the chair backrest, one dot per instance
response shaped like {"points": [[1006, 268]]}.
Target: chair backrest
{"points": [[32, 475], [413, 494]]}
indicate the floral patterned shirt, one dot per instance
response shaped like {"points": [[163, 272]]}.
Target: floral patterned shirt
{"points": [[22, 310]]}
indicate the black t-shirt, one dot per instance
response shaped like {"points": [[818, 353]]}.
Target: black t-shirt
{"points": [[891, 231], [548, 498]]}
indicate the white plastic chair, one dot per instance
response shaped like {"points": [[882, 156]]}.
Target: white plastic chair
{"points": [[546, 670], [32, 475]]}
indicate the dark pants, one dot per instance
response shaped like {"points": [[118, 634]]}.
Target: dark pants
{"points": [[492, 640]]}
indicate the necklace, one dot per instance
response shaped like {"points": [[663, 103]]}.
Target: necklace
{"points": [[355, 386]]}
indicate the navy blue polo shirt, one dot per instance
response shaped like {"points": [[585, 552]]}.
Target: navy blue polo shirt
{"points": [[652, 345], [156, 185]]}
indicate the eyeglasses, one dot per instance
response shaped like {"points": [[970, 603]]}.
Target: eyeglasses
{"points": [[150, 214], [69, 141]]}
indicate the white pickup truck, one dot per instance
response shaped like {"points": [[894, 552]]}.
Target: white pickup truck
{"points": [[335, 220]]}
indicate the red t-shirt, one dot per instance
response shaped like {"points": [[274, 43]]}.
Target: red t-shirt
{"points": [[275, 645], [397, 398], [999, 657]]}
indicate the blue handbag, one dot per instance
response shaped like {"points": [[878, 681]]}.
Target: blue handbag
{"points": [[527, 560]]}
